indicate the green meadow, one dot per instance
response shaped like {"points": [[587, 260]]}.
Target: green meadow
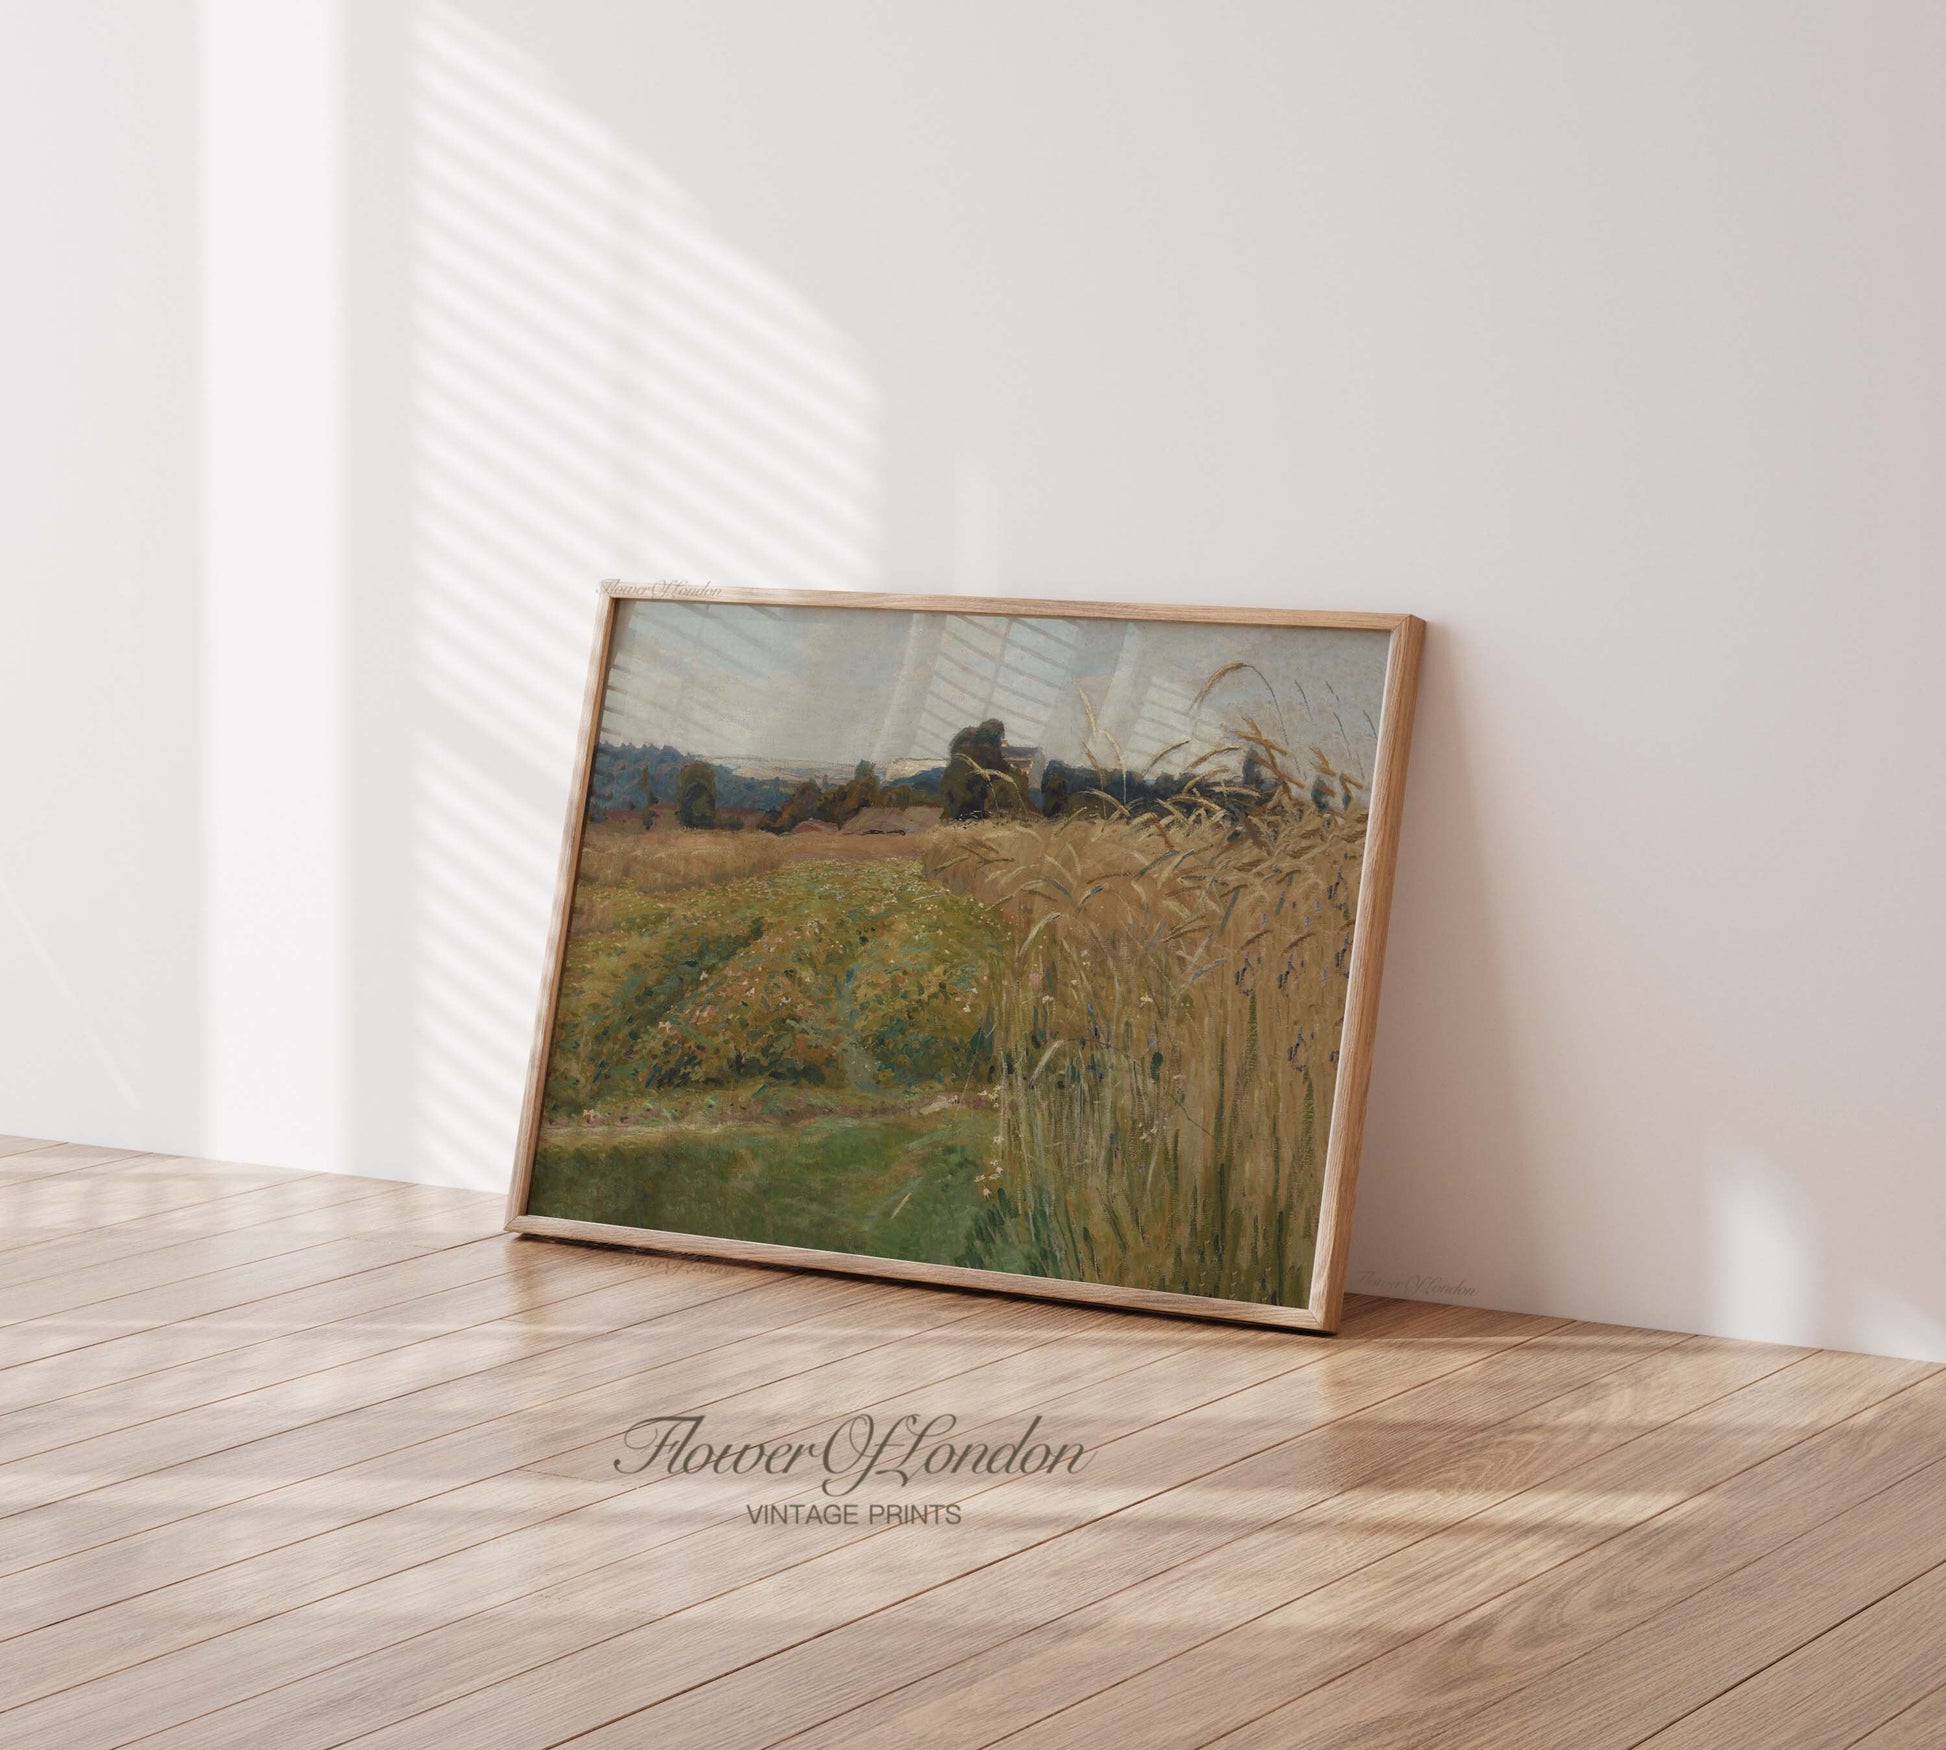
{"points": [[800, 1053]]}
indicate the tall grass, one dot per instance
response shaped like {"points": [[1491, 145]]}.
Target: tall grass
{"points": [[1166, 1041]]}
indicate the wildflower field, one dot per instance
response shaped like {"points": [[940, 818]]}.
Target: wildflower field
{"points": [[760, 1042]]}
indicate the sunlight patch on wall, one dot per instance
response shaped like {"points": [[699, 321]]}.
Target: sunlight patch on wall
{"points": [[602, 384]]}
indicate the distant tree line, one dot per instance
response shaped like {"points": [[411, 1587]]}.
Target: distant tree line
{"points": [[841, 802], [977, 782], [623, 769]]}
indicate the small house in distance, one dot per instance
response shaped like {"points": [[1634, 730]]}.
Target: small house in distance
{"points": [[812, 826], [1025, 762], [892, 820]]}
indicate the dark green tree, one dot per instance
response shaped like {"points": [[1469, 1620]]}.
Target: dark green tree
{"points": [[801, 805], [646, 789], [696, 796], [975, 761], [848, 799], [1054, 793]]}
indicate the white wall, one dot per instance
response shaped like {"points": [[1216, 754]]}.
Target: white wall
{"points": [[346, 346]]}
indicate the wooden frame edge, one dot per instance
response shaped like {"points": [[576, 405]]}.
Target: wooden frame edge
{"points": [[1359, 1036], [557, 932], [1152, 1300], [1323, 1313], [1004, 607]]}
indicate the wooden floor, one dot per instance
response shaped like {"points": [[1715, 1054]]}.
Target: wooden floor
{"points": [[298, 1460]]}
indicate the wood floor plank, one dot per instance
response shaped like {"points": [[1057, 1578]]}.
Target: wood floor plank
{"points": [[1922, 1726], [1247, 1672], [450, 1662], [116, 1179], [372, 1538], [47, 1160], [529, 1279], [997, 1360], [1468, 1462], [106, 1195], [424, 1223], [54, 1254], [516, 1639], [1473, 1372], [542, 1359], [381, 1216], [1718, 1635], [1858, 1675], [20, 1145], [1410, 1697], [621, 1552], [578, 1332], [1182, 1417], [151, 1349], [171, 1303]]}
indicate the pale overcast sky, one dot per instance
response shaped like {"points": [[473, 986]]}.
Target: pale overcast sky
{"points": [[835, 685]]}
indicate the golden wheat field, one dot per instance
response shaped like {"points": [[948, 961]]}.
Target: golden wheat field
{"points": [[1165, 1039]]}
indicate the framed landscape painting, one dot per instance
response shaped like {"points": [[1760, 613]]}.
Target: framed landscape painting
{"points": [[1030, 946]]}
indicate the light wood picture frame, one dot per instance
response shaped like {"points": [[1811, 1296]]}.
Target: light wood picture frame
{"points": [[840, 954]]}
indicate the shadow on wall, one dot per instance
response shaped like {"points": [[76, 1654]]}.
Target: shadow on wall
{"points": [[598, 383]]}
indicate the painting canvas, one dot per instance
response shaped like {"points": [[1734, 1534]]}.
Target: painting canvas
{"points": [[1007, 944]]}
